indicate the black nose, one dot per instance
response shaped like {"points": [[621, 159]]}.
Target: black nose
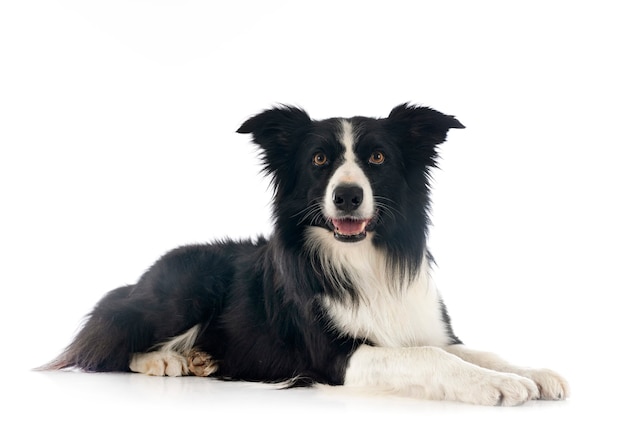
{"points": [[348, 197]]}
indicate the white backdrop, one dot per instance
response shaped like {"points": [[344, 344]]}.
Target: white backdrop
{"points": [[117, 139]]}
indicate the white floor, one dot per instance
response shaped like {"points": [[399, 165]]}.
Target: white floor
{"points": [[104, 410]]}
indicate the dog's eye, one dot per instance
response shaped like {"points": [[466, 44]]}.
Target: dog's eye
{"points": [[377, 158], [320, 159]]}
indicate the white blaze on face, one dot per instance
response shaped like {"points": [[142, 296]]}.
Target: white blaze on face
{"points": [[349, 173]]}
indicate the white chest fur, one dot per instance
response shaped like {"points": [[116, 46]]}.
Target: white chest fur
{"points": [[387, 314]]}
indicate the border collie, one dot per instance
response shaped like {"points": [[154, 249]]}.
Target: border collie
{"points": [[340, 294]]}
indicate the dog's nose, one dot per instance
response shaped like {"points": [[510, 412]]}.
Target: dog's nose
{"points": [[348, 197]]}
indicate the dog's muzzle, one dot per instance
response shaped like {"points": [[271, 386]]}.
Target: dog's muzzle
{"points": [[348, 226]]}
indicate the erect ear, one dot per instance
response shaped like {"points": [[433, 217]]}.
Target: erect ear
{"points": [[274, 128], [421, 125]]}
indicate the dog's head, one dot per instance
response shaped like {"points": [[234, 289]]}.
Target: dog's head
{"points": [[352, 177]]}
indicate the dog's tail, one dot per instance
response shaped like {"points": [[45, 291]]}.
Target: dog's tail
{"points": [[110, 335]]}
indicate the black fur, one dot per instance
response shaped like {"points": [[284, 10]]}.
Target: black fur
{"points": [[258, 302]]}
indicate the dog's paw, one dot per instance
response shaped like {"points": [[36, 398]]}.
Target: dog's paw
{"points": [[552, 386], [497, 389], [159, 363], [200, 364]]}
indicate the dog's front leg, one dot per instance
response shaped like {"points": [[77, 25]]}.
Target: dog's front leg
{"points": [[432, 373], [552, 386]]}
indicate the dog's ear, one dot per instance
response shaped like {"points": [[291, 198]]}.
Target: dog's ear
{"points": [[274, 128], [418, 126], [276, 131]]}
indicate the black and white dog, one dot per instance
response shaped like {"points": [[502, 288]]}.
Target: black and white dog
{"points": [[340, 294]]}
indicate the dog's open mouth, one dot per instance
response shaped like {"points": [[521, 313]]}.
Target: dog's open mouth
{"points": [[350, 229]]}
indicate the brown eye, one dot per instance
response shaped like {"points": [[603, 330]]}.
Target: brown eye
{"points": [[320, 159], [377, 158]]}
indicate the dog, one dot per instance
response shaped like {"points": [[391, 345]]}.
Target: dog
{"points": [[339, 294]]}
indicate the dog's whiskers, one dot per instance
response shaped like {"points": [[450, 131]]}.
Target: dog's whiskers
{"points": [[387, 208], [311, 212]]}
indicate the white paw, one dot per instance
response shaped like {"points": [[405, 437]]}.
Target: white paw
{"points": [[495, 388], [159, 363], [552, 386]]}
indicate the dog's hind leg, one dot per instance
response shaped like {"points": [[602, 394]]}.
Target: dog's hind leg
{"points": [[176, 357], [170, 363], [200, 363], [181, 293], [159, 363]]}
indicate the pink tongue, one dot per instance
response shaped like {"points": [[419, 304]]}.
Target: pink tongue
{"points": [[350, 226]]}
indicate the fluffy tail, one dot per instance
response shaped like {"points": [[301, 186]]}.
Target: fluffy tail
{"points": [[109, 337]]}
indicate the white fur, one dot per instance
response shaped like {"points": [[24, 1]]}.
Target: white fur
{"points": [[182, 343], [432, 373], [551, 385], [388, 313], [349, 172]]}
